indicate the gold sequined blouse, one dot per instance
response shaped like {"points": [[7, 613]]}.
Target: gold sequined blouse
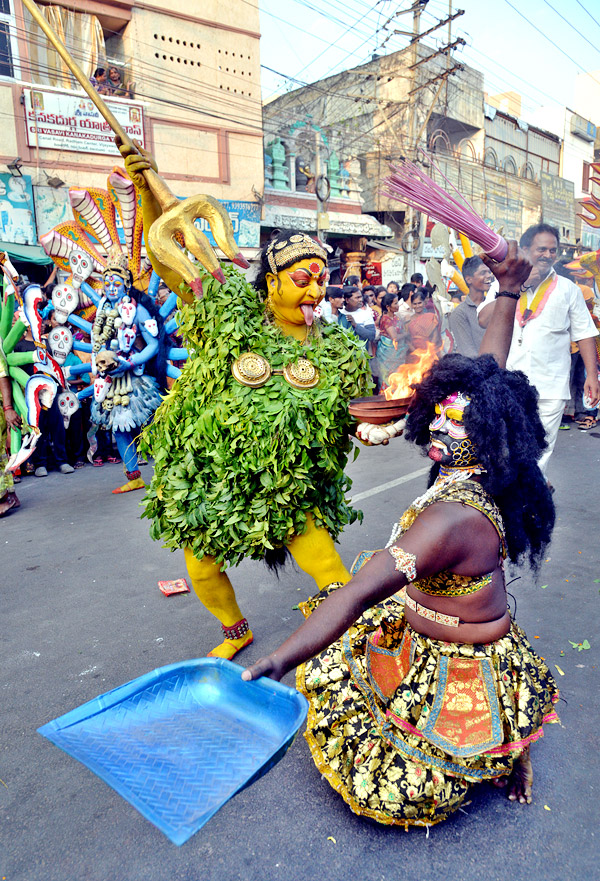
{"points": [[446, 583]]}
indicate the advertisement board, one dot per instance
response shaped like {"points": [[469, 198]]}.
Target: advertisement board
{"points": [[70, 121], [52, 207], [245, 219], [558, 204], [17, 217]]}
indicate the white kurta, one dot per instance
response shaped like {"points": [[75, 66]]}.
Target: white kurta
{"points": [[544, 353]]}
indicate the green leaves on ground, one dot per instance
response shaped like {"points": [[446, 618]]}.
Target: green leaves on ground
{"points": [[580, 646]]}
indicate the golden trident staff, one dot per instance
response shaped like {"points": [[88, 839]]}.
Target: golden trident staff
{"points": [[177, 219]]}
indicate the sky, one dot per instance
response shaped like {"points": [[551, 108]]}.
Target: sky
{"points": [[520, 46]]}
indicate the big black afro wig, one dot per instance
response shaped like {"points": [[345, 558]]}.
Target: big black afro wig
{"points": [[504, 427]]}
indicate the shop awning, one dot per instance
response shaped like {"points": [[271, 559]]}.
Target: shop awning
{"points": [[385, 246], [340, 224], [25, 253]]}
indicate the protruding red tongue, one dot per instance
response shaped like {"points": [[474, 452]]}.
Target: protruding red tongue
{"points": [[435, 453], [309, 313]]}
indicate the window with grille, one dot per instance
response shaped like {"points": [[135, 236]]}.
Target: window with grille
{"points": [[8, 48], [585, 182]]}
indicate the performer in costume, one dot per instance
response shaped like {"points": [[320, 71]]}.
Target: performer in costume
{"points": [[124, 397], [250, 444], [105, 298], [28, 394], [420, 684]]}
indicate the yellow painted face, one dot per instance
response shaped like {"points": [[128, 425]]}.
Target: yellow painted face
{"points": [[294, 292]]}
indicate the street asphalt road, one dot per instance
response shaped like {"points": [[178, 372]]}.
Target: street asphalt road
{"points": [[82, 614]]}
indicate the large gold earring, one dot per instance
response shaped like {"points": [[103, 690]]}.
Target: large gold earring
{"points": [[269, 302]]}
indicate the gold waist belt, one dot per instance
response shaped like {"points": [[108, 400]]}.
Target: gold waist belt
{"points": [[424, 612]]}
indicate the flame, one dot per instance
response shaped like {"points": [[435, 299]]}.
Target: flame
{"points": [[592, 205], [399, 383]]}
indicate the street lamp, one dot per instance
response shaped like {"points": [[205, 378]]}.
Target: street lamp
{"points": [[15, 167]]}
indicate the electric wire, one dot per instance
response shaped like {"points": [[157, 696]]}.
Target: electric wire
{"points": [[237, 120], [546, 37], [174, 79], [588, 13], [571, 25]]}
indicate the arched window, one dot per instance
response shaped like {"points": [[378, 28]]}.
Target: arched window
{"points": [[509, 165], [466, 148], [490, 158], [439, 142], [527, 171]]}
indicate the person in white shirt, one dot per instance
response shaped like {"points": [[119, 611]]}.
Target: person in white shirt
{"points": [[551, 314], [331, 305], [405, 310]]}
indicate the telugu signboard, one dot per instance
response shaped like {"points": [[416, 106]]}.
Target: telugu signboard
{"points": [[70, 121], [558, 204]]}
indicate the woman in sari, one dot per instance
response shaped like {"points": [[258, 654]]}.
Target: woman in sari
{"points": [[393, 340], [424, 327]]}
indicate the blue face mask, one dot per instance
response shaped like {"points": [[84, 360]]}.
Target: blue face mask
{"points": [[114, 286]]}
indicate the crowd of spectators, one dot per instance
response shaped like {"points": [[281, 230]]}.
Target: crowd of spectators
{"points": [[395, 322]]}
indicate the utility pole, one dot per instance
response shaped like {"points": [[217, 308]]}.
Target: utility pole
{"points": [[449, 43], [412, 120], [414, 132], [322, 215]]}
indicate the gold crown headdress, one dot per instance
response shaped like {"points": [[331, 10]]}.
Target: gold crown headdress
{"points": [[118, 263], [288, 251]]}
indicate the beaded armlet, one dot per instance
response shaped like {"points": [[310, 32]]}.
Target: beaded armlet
{"points": [[405, 562]]}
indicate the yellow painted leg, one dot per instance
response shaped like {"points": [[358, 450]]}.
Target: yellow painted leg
{"points": [[214, 590], [136, 483], [314, 551]]}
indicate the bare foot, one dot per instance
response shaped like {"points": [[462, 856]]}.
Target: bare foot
{"points": [[520, 781], [8, 501], [500, 782], [230, 647]]}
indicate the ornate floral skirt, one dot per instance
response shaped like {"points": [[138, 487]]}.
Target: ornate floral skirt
{"points": [[401, 725]]}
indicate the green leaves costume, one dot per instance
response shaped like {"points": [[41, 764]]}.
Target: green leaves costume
{"points": [[237, 469]]}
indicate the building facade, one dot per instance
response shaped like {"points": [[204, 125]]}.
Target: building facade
{"points": [[189, 92], [514, 172]]}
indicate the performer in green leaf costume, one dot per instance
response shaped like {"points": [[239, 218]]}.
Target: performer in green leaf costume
{"points": [[251, 442]]}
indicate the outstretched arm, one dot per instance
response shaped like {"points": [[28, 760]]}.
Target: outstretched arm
{"points": [[511, 273], [445, 536], [80, 323], [135, 163], [93, 295], [151, 347]]}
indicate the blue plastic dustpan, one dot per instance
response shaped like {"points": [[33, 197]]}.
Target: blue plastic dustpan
{"points": [[179, 742]]}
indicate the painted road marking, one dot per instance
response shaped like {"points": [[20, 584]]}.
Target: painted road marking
{"points": [[383, 487]]}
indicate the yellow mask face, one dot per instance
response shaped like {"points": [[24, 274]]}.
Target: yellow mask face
{"points": [[294, 292]]}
